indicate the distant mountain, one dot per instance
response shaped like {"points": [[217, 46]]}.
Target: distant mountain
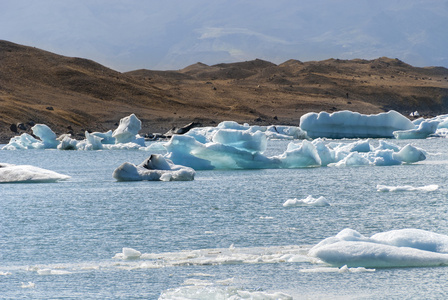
{"points": [[73, 94]]}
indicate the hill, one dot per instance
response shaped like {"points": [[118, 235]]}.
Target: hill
{"points": [[74, 94]]}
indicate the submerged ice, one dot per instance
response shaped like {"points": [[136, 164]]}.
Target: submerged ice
{"points": [[396, 248]]}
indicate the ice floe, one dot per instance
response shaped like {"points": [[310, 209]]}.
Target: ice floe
{"points": [[396, 248], [230, 255], [406, 188], [308, 201], [343, 269], [10, 173], [154, 168], [207, 290]]}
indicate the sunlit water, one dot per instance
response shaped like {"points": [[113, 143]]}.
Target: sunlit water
{"points": [[225, 231]]}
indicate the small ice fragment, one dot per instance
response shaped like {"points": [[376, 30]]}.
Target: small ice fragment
{"points": [[129, 253]]}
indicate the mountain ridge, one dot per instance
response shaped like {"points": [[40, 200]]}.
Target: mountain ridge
{"points": [[74, 94]]}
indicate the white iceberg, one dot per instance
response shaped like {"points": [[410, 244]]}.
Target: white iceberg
{"points": [[424, 129], [154, 168], [396, 248], [127, 131], [47, 136], [347, 124], [308, 201], [10, 173]]}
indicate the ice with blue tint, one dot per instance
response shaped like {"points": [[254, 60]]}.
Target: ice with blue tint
{"points": [[47, 136], [243, 140], [127, 131], [244, 150], [47, 139], [277, 132], [396, 248], [185, 150], [348, 124], [424, 129], [10, 173], [154, 168]]}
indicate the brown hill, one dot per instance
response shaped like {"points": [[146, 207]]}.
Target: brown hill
{"points": [[74, 94]]}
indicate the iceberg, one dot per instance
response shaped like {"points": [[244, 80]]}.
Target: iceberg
{"points": [[10, 173], [347, 124], [308, 201], [424, 129], [154, 168], [47, 136], [186, 150], [244, 150], [127, 131], [396, 248], [124, 137], [206, 134]]}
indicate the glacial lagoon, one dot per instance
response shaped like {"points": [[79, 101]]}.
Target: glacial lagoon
{"points": [[225, 234]]}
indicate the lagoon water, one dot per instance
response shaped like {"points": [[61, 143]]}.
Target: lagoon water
{"points": [[225, 235]]}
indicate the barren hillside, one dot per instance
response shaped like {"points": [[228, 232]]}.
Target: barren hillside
{"points": [[74, 94]]}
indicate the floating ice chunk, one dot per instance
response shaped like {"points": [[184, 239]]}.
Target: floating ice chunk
{"points": [[299, 156], [156, 148], [156, 167], [129, 253], [347, 124], [208, 291], [5, 273], [308, 201], [285, 132], [10, 173], [23, 141], [406, 188], [384, 145], [93, 141], [106, 137], [409, 154], [47, 135], [352, 159], [413, 238], [29, 285], [397, 248], [52, 272], [128, 130], [424, 129], [68, 143], [343, 269], [243, 140], [182, 149]]}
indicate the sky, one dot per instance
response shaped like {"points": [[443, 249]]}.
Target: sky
{"points": [[128, 35]]}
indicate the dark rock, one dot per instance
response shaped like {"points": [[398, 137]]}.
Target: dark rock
{"points": [[21, 126], [50, 108], [182, 130], [13, 128], [31, 123]]}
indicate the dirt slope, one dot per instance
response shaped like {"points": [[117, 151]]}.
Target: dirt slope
{"points": [[74, 94]]}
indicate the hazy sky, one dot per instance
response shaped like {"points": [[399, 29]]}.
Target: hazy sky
{"points": [[172, 34]]}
